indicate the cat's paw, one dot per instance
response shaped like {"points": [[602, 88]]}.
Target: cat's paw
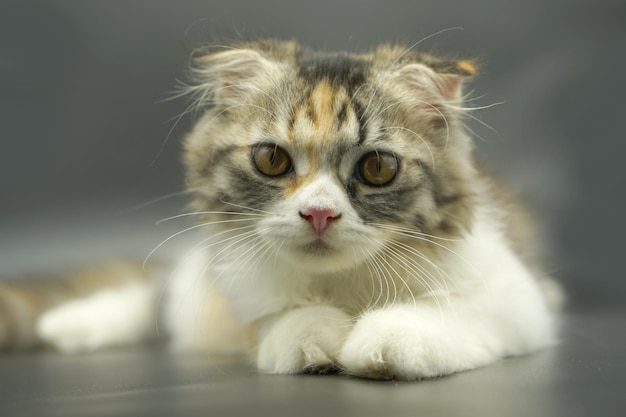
{"points": [[396, 345], [306, 340], [104, 319], [69, 329]]}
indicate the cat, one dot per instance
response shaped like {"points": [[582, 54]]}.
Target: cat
{"points": [[349, 227]]}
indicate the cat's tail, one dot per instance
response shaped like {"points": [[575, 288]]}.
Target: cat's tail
{"points": [[83, 311]]}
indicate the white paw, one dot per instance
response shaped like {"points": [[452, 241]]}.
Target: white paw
{"points": [[71, 328], [104, 319], [304, 340], [392, 345]]}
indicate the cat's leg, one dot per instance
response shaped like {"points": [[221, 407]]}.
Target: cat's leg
{"points": [[109, 317], [306, 339], [95, 308], [92, 308], [196, 316], [503, 315]]}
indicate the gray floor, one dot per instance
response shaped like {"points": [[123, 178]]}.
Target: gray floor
{"points": [[584, 376]]}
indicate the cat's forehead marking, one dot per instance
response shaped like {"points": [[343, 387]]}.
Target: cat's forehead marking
{"points": [[326, 109], [323, 118], [321, 103], [322, 109]]}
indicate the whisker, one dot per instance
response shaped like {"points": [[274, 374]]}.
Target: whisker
{"points": [[432, 35], [432, 156], [423, 276], [259, 254], [248, 254], [197, 226], [192, 252], [396, 103], [389, 251], [278, 251], [385, 274], [412, 232], [415, 252], [468, 109], [147, 203], [371, 259], [367, 255], [244, 207], [244, 105], [200, 213], [214, 235], [237, 240], [359, 89], [424, 239]]}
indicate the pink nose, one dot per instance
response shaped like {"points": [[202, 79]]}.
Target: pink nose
{"points": [[320, 219]]}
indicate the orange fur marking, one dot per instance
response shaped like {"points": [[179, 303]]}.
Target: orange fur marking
{"points": [[468, 66], [322, 104]]}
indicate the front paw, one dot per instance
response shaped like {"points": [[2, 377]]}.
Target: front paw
{"points": [[306, 340], [396, 345]]}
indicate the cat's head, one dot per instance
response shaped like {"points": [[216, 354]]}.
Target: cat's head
{"points": [[323, 159]]}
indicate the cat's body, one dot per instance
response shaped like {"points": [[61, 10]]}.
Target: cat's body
{"points": [[348, 224]]}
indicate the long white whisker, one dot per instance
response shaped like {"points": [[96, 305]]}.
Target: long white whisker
{"points": [[192, 252], [428, 240], [415, 252], [147, 203], [197, 226], [277, 251], [372, 274], [244, 207], [423, 276], [372, 266], [390, 252], [200, 213], [432, 156], [396, 103], [385, 275], [188, 109], [249, 253], [432, 35], [412, 232], [266, 247], [213, 236], [238, 239]]}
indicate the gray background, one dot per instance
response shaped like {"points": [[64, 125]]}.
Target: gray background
{"points": [[84, 128], [83, 122]]}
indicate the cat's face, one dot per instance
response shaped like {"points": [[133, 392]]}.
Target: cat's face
{"points": [[325, 160]]}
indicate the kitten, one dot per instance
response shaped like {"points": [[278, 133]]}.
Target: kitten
{"points": [[349, 227]]}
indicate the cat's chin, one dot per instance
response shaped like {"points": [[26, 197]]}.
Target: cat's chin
{"points": [[317, 248], [320, 256]]}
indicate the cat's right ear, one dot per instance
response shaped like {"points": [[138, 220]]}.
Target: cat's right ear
{"points": [[229, 76]]}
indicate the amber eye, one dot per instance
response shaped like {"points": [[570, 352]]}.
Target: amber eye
{"points": [[377, 168], [271, 160]]}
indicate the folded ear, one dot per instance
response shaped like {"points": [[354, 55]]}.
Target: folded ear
{"points": [[228, 77], [441, 82]]}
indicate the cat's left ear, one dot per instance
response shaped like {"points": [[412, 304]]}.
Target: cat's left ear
{"points": [[229, 76], [441, 82]]}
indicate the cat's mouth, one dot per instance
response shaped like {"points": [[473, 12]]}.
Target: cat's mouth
{"points": [[317, 247]]}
